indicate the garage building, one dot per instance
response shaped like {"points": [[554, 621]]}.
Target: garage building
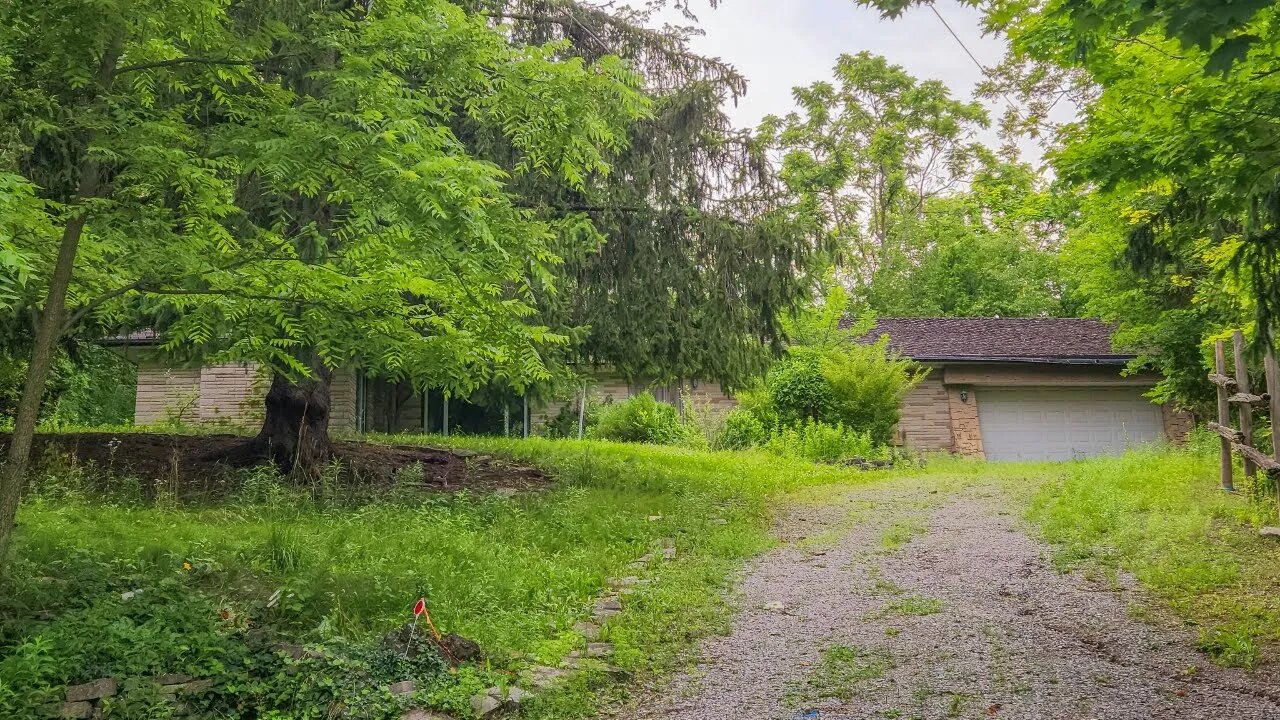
{"points": [[1025, 389]]}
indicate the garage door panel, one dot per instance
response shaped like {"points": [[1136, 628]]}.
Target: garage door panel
{"points": [[1045, 423]]}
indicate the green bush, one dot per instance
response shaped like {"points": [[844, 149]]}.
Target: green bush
{"points": [[853, 386], [867, 386], [565, 423], [645, 420], [797, 388], [742, 429], [821, 442]]}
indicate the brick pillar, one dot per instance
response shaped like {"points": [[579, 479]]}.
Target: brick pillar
{"points": [[966, 434], [1177, 423]]}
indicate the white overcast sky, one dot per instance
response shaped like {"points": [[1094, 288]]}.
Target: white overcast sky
{"points": [[779, 44]]}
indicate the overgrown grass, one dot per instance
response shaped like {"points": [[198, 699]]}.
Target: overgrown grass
{"points": [[1160, 516], [514, 574], [838, 672], [221, 582]]}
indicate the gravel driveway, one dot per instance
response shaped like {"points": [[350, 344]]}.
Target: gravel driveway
{"points": [[937, 604]]}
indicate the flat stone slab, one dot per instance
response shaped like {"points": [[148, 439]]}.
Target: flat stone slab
{"points": [[484, 705], [589, 630], [78, 709], [104, 687], [607, 607], [420, 714], [1270, 532], [542, 677], [492, 700], [404, 687]]}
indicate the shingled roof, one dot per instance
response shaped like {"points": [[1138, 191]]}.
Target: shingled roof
{"points": [[1039, 340]]}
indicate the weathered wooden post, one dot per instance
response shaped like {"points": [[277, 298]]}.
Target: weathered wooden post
{"points": [[582, 411], [1224, 411], [1244, 401], [1273, 396]]}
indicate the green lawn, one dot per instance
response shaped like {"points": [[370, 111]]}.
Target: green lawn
{"points": [[220, 584], [513, 574]]}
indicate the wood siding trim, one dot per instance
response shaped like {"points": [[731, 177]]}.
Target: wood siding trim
{"points": [[1047, 375]]}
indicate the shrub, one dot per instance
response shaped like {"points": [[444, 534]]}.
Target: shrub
{"points": [[565, 423], [643, 419], [821, 442], [855, 386], [797, 389], [867, 387], [742, 429]]}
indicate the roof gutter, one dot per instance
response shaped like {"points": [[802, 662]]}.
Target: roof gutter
{"points": [[1107, 360]]}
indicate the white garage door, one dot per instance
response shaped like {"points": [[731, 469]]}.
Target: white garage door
{"points": [[1040, 423]]}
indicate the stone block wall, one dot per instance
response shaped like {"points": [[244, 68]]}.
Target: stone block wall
{"points": [[166, 394], [925, 425], [1177, 423], [965, 430], [232, 393], [86, 700], [708, 397]]}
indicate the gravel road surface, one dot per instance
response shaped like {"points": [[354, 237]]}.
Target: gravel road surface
{"points": [[938, 604]]}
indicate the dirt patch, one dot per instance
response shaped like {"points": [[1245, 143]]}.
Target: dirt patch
{"points": [[187, 464]]}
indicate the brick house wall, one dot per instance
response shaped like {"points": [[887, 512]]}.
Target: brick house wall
{"points": [[934, 417], [707, 397], [166, 394], [962, 403]]}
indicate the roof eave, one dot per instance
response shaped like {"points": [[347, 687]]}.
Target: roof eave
{"points": [[1075, 360]]}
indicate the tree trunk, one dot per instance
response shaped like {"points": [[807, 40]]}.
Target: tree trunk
{"points": [[18, 458], [13, 474], [295, 430]]}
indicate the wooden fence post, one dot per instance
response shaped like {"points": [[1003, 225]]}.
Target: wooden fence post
{"points": [[1224, 414], [1242, 387], [1273, 393]]}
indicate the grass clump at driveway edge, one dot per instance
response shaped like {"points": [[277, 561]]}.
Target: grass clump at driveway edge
{"points": [[514, 574], [1160, 516]]}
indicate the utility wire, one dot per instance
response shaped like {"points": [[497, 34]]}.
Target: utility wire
{"points": [[985, 72]]}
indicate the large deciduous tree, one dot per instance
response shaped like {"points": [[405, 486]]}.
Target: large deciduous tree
{"points": [[866, 153], [1174, 153], [280, 182], [990, 249]]}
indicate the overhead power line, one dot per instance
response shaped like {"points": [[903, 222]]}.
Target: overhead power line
{"points": [[985, 72]]}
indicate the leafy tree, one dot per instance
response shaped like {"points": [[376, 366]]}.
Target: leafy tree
{"points": [[1223, 31], [866, 153], [279, 182], [989, 250], [1166, 313], [1174, 154], [682, 261]]}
